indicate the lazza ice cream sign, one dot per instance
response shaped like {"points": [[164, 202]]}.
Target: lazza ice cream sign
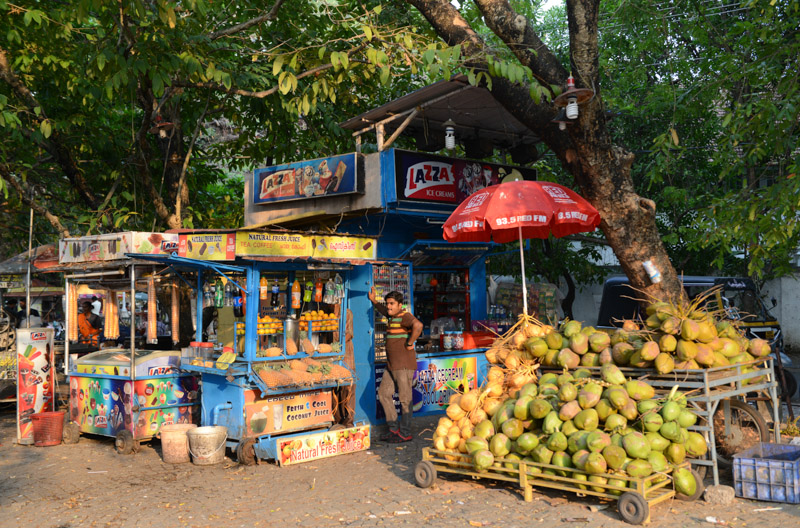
{"points": [[422, 177]]}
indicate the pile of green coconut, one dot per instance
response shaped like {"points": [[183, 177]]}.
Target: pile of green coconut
{"points": [[595, 431]]}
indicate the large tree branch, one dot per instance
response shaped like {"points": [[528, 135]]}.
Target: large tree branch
{"points": [[54, 145], [182, 180], [270, 15], [24, 196]]}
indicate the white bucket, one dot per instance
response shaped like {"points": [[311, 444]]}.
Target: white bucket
{"points": [[207, 444]]}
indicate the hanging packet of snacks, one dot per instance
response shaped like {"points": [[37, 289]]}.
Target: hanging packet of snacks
{"points": [[72, 307], [339, 288], [330, 292], [111, 325], [152, 321], [175, 315]]}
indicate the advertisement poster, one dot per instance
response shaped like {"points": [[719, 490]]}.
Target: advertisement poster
{"points": [[289, 412], [306, 179], [301, 245], [210, 246], [34, 378], [427, 178], [322, 445], [107, 406], [115, 246], [435, 380]]}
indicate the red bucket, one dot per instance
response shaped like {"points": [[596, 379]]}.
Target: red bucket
{"points": [[47, 428]]}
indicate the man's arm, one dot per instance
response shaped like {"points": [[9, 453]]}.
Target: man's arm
{"points": [[416, 331], [380, 308]]}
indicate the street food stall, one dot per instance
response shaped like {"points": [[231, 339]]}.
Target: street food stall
{"points": [[127, 393], [281, 373]]}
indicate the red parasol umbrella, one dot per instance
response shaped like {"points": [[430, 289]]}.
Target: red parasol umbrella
{"points": [[517, 210]]}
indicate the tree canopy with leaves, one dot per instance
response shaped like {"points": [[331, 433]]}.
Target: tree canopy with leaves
{"points": [[112, 110]]}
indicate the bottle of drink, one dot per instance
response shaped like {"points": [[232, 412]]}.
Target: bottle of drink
{"points": [[219, 294], [318, 290], [296, 295], [276, 290], [263, 288], [228, 294], [208, 296]]}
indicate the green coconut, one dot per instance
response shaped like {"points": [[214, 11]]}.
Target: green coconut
{"points": [[615, 422], [482, 459], [696, 445], [557, 442], [615, 456], [612, 374], [579, 458], [652, 422], [513, 428], [571, 328], [639, 390], [598, 341], [622, 352], [597, 441], [675, 453], [657, 461], [595, 464], [636, 445], [539, 408], [551, 423], [649, 351], [567, 392], [670, 411], [527, 442], [657, 442], [639, 468], [664, 363], [589, 395], [577, 441], [667, 343], [587, 420], [484, 429], [684, 482], [500, 445], [687, 418], [604, 409]]}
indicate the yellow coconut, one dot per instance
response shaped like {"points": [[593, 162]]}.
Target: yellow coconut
{"points": [[477, 416], [455, 412], [469, 400]]}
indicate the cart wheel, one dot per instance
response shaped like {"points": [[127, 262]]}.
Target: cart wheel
{"points": [[71, 434], [245, 453], [633, 508], [700, 471], [424, 474], [745, 428], [701, 487], [125, 443]]}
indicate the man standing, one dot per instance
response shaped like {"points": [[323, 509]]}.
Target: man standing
{"points": [[96, 306], [403, 331]]}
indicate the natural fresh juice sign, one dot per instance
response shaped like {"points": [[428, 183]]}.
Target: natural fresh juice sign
{"points": [[208, 246], [322, 445], [249, 244]]}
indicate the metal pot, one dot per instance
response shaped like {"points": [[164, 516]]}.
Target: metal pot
{"points": [[291, 328]]}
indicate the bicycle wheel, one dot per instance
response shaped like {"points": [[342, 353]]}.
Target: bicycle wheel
{"points": [[744, 429]]}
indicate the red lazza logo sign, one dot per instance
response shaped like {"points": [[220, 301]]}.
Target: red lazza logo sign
{"points": [[38, 336], [431, 180]]}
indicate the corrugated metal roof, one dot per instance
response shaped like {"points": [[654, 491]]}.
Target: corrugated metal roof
{"points": [[478, 116]]}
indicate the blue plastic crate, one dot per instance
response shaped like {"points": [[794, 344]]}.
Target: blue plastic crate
{"points": [[768, 472]]}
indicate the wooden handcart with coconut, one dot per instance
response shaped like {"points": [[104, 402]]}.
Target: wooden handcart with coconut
{"points": [[635, 496]]}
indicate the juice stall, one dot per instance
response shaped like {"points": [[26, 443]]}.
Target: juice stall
{"points": [[126, 388], [286, 385]]}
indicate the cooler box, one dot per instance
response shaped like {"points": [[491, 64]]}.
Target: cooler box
{"points": [[478, 340], [117, 362]]}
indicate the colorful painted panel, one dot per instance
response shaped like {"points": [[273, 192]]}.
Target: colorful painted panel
{"points": [[322, 445], [435, 380], [107, 406], [306, 179], [209, 246], [289, 412], [297, 245], [34, 378]]}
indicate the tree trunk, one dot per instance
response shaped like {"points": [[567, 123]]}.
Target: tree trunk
{"points": [[601, 169]]}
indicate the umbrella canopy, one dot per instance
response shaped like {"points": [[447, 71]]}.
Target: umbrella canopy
{"points": [[536, 208], [517, 210]]}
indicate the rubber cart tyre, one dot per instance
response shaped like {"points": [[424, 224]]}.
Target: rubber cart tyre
{"points": [[125, 444], [71, 433], [701, 487], [246, 453], [747, 428], [424, 474], [633, 508]]}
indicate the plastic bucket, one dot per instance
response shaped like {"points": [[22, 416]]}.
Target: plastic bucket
{"points": [[175, 443], [47, 428], [207, 444]]}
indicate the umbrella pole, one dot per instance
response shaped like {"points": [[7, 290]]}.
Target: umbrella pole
{"points": [[524, 286]]}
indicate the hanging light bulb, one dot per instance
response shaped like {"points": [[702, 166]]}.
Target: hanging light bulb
{"points": [[449, 134], [572, 108], [562, 120], [572, 97]]}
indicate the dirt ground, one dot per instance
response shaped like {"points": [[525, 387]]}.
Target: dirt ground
{"points": [[89, 485]]}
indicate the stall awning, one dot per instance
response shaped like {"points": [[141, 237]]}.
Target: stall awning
{"points": [[187, 264], [440, 254]]}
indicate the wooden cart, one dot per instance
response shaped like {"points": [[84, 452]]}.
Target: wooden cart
{"points": [[634, 500]]}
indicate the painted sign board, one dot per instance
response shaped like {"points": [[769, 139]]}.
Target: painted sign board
{"points": [[286, 412], [314, 446], [435, 380], [424, 177], [114, 246], [301, 245], [334, 175], [34, 378], [208, 246]]}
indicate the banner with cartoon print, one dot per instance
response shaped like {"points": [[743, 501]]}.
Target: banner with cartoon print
{"points": [[107, 406], [306, 179], [34, 378]]}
